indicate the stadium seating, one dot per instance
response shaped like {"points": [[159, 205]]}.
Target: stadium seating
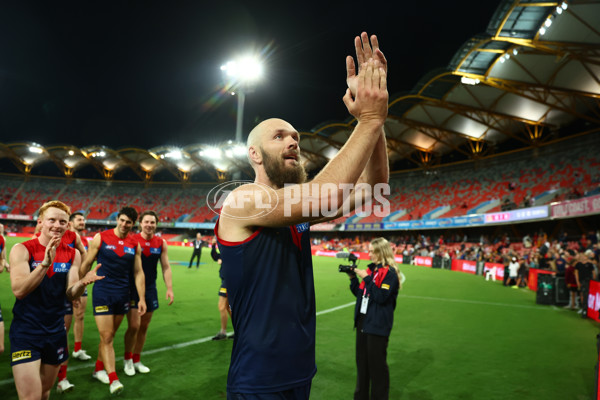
{"points": [[535, 177]]}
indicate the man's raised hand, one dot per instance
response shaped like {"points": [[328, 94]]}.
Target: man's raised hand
{"points": [[364, 51], [371, 100]]}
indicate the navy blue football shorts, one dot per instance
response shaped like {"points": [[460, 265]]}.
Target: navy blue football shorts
{"points": [[110, 304], [223, 289], [51, 350], [151, 299]]}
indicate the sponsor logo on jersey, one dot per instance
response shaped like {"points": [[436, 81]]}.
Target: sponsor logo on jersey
{"points": [[100, 309], [61, 267], [111, 247], [302, 227], [385, 286], [223, 290], [21, 355], [35, 264], [155, 250], [129, 250]]}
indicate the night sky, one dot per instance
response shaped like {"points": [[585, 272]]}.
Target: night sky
{"points": [[145, 74]]}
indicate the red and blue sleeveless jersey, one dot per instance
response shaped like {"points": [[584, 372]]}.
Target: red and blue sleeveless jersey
{"points": [[2, 243], [117, 257], [271, 292], [41, 312], [84, 241], [151, 252], [69, 238]]}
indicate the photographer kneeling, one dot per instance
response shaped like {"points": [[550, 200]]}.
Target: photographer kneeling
{"points": [[373, 319]]}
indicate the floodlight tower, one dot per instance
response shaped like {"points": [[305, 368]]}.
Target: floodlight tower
{"points": [[241, 76]]}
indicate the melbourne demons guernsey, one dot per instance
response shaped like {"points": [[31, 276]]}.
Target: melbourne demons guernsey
{"points": [[116, 256], [271, 292], [84, 242], [2, 243], [42, 311], [151, 252], [70, 238]]}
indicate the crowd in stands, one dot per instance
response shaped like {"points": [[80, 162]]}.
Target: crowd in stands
{"points": [[561, 256], [563, 171]]}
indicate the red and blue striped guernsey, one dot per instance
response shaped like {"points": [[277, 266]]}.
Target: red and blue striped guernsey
{"points": [[116, 256], [29, 317], [271, 292], [151, 252]]}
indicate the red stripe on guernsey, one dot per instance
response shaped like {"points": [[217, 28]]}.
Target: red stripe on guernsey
{"points": [[228, 243], [381, 273], [84, 241], [296, 237], [148, 244], [69, 238]]}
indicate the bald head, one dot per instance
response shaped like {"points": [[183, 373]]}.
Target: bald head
{"points": [[263, 129], [257, 134]]}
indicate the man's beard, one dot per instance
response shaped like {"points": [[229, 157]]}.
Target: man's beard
{"points": [[279, 174]]}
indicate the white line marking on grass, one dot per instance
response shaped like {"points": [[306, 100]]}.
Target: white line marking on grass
{"points": [[335, 308], [477, 302], [166, 348]]}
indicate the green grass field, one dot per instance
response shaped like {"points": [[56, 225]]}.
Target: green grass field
{"points": [[455, 336]]}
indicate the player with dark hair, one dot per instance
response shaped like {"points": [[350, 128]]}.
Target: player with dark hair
{"points": [[154, 249], [43, 271], [266, 256], [120, 255], [77, 224]]}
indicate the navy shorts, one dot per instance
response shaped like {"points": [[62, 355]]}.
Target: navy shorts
{"points": [[68, 307], [51, 350], [151, 299], [223, 289], [110, 305], [297, 393]]}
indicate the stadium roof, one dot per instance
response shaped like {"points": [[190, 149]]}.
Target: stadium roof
{"points": [[532, 77]]}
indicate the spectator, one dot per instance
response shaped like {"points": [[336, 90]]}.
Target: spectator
{"points": [[513, 272]]}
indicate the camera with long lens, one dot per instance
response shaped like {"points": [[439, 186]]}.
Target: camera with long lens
{"points": [[348, 267]]}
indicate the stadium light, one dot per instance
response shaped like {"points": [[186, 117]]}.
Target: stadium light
{"points": [[239, 150], [35, 149], [176, 154], [212, 153], [469, 81], [244, 70], [241, 75]]}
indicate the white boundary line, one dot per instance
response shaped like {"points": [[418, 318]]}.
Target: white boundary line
{"points": [[166, 348], [487, 303], [209, 338]]}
